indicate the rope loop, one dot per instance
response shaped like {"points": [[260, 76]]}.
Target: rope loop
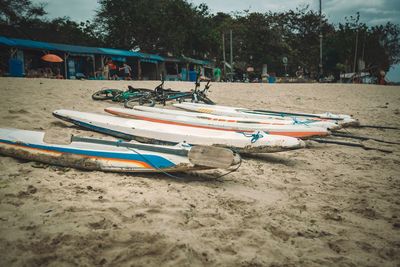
{"points": [[300, 122], [254, 136]]}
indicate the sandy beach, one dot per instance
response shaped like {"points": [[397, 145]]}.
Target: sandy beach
{"points": [[326, 205]]}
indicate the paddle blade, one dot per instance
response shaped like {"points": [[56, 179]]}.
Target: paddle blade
{"points": [[209, 156], [57, 137]]}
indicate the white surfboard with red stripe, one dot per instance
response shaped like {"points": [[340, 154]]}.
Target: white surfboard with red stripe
{"points": [[296, 130], [268, 121], [341, 119]]}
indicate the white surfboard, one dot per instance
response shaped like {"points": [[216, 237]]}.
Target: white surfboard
{"points": [[297, 130], [267, 121], [341, 119], [257, 142], [112, 155]]}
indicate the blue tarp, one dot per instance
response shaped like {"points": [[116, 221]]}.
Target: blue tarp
{"points": [[206, 63], [32, 44], [87, 50], [120, 59], [6, 41], [172, 59], [150, 57], [126, 53], [196, 61], [77, 49], [118, 52]]}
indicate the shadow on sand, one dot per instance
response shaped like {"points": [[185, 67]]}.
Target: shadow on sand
{"points": [[271, 158]]}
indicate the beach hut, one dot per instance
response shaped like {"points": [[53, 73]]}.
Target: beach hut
{"points": [[23, 55], [149, 66], [27, 54], [193, 66], [23, 58], [120, 56], [144, 66], [171, 69], [79, 61]]}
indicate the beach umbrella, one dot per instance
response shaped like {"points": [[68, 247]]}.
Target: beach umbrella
{"points": [[52, 58]]}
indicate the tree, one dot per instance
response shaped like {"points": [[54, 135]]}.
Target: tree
{"points": [[23, 19], [174, 26], [383, 46], [182, 28], [377, 46], [14, 11]]}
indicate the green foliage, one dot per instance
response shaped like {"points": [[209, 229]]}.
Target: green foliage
{"points": [[13, 11], [378, 46], [155, 26], [178, 27], [23, 19]]}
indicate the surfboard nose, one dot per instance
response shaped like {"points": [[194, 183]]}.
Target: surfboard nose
{"points": [[60, 114], [302, 144], [294, 143]]}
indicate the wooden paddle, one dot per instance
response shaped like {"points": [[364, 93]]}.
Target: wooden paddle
{"points": [[57, 136], [341, 134], [346, 143], [210, 156]]}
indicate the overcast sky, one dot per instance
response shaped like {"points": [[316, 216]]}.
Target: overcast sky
{"points": [[372, 11]]}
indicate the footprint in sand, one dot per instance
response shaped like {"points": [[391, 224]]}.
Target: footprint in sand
{"points": [[101, 224], [20, 111]]}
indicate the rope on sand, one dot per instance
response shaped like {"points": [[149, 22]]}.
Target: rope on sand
{"points": [[379, 127]]}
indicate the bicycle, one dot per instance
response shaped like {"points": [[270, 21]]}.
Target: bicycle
{"points": [[117, 95], [150, 98], [161, 96], [195, 95]]}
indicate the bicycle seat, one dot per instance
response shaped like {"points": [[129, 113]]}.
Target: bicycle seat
{"points": [[131, 89]]}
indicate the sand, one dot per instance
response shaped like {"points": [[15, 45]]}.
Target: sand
{"points": [[327, 205]]}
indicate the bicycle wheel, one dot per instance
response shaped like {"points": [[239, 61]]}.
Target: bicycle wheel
{"points": [[131, 102], [146, 101], [106, 94], [206, 100], [185, 98]]}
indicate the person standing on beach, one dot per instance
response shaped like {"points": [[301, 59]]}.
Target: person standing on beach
{"points": [[112, 68], [106, 74], [381, 78], [217, 74], [127, 71]]}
